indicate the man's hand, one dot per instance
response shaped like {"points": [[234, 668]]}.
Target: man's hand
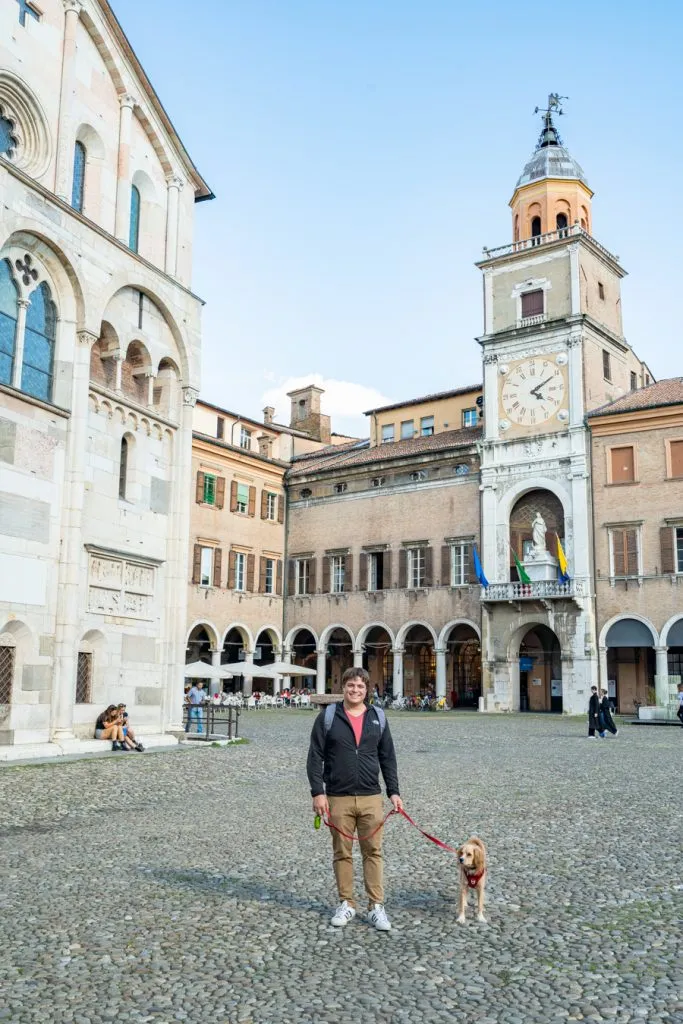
{"points": [[397, 802], [321, 806]]}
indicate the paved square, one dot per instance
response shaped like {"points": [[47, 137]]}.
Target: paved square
{"points": [[191, 886]]}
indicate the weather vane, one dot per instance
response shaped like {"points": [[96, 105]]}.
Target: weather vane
{"points": [[554, 104]]}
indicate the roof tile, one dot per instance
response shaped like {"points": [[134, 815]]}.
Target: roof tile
{"points": [[662, 392]]}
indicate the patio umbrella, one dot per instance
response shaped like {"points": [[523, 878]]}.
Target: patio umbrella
{"points": [[249, 670], [284, 668], [202, 670]]}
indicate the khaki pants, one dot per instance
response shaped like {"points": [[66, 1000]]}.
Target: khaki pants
{"points": [[361, 814]]}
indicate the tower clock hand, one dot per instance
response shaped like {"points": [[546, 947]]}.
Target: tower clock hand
{"points": [[534, 391]]}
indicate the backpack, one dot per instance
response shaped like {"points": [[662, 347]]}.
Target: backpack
{"points": [[330, 711]]}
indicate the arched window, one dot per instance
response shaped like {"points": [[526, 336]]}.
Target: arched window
{"points": [[39, 344], [535, 227], [134, 234], [123, 468], [561, 223], [78, 185], [8, 142], [8, 322], [516, 238]]}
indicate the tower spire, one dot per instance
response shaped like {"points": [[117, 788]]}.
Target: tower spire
{"points": [[549, 134]]}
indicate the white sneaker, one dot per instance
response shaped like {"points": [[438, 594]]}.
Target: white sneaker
{"points": [[592, 737], [616, 732], [342, 915], [378, 918]]}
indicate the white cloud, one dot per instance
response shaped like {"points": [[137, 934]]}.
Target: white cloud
{"points": [[344, 401]]}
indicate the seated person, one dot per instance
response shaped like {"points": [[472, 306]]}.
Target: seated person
{"points": [[128, 734], [108, 727]]}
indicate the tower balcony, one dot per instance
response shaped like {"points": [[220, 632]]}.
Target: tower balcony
{"points": [[549, 238], [537, 590]]}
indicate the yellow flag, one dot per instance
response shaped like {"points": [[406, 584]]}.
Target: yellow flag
{"points": [[561, 559]]}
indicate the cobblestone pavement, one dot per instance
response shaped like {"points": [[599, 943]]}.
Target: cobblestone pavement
{"points": [[191, 886]]}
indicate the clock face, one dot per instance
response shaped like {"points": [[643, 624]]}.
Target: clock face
{"points": [[533, 392]]}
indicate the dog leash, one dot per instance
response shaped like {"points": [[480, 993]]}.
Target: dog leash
{"points": [[359, 839]]}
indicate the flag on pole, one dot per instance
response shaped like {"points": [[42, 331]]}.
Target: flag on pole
{"points": [[562, 573], [478, 567], [521, 571]]}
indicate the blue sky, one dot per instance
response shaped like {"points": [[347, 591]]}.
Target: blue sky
{"points": [[363, 152]]}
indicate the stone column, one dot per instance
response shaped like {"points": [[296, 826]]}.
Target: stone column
{"points": [[248, 680], [321, 668], [215, 685], [65, 142], [174, 185], [20, 333], [71, 570], [123, 183], [398, 672], [662, 676], [175, 572], [602, 672], [440, 671], [118, 370], [575, 289], [151, 377], [357, 659]]}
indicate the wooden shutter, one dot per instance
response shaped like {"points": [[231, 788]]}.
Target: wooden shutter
{"points": [[618, 553], [217, 566], [262, 563], [252, 501], [676, 450], [348, 574], [666, 543], [472, 573], [280, 508], [402, 568], [362, 571], [386, 571], [623, 464], [532, 303], [264, 504], [220, 491], [445, 565], [251, 569], [312, 570], [631, 552], [232, 560], [197, 563], [429, 568], [278, 577], [326, 574], [199, 496], [233, 495], [291, 577]]}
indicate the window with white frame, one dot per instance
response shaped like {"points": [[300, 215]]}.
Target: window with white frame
{"points": [[426, 426], [407, 429], [240, 571], [416, 567], [470, 417], [243, 498], [625, 551], [376, 570], [270, 576], [271, 505], [206, 567], [337, 573], [303, 576], [387, 432], [460, 564], [245, 438]]}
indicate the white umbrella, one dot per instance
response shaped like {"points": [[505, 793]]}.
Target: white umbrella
{"points": [[202, 670], [285, 668], [249, 670]]}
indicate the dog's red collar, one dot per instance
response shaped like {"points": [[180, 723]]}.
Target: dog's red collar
{"points": [[474, 880]]}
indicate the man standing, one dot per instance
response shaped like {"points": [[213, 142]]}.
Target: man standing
{"points": [[195, 699], [348, 747], [594, 715]]}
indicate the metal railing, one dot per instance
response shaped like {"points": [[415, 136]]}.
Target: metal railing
{"points": [[211, 722], [539, 590], [549, 236]]}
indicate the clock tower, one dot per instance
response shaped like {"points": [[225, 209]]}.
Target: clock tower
{"points": [[552, 349]]}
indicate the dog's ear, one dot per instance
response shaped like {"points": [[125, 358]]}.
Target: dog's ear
{"points": [[479, 855], [458, 852]]}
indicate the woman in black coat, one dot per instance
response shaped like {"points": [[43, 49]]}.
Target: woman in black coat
{"points": [[606, 714], [594, 715]]}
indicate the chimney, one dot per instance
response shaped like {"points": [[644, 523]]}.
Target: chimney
{"points": [[265, 445], [268, 414]]}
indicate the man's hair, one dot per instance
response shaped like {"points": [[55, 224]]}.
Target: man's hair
{"points": [[594, 688], [356, 673]]}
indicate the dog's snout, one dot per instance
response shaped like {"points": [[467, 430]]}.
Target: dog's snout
{"points": [[462, 860]]}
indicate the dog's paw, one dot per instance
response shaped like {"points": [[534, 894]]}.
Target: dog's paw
{"points": [[481, 919], [460, 919]]}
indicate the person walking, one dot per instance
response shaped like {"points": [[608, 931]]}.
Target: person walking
{"points": [[606, 719], [195, 699], [348, 747], [679, 713], [594, 715]]}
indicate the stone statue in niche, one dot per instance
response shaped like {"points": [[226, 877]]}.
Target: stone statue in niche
{"points": [[538, 530]]}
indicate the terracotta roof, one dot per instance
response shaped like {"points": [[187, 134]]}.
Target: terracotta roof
{"points": [[662, 392], [425, 398], [338, 457]]}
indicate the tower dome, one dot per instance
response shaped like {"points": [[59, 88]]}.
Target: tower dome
{"points": [[552, 192]]}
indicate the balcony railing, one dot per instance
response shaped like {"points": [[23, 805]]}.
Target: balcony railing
{"points": [[549, 236], [541, 590]]}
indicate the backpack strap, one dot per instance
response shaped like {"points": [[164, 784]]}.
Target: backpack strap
{"points": [[331, 709], [381, 718]]}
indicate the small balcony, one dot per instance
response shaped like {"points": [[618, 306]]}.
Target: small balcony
{"points": [[540, 590], [559, 234]]}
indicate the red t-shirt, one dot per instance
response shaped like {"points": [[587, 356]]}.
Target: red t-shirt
{"points": [[356, 724]]}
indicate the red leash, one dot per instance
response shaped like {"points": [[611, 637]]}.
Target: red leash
{"points": [[359, 839]]}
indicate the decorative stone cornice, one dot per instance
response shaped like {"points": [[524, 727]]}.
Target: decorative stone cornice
{"points": [[86, 337], [190, 396], [492, 357]]}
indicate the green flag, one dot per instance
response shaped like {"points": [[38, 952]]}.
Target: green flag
{"points": [[521, 571]]}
